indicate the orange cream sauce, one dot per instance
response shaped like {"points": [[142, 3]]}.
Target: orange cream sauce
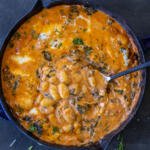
{"points": [[51, 81]]}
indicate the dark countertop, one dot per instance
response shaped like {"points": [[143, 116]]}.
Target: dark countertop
{"points": [[137, 13]]}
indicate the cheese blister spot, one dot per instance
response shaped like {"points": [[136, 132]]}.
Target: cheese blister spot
{"points": [[21, 59], [34, 111], [43, 36]]}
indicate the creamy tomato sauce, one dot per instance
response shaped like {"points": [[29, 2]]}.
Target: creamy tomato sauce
{"points": [[50, 77]]}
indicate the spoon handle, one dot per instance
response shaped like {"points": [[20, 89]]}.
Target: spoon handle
{"points": [[134, 69]]}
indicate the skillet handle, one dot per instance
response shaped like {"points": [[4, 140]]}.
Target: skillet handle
{"points": [[2, 113]]}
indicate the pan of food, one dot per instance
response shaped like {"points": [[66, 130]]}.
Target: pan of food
{"points": [[49, 87]]}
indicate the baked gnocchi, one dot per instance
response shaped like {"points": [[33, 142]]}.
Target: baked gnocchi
{"points": [[50, 78]]}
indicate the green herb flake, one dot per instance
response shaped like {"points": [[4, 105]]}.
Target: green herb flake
{"points": [[91, 130], [84, 30], [32, 47], [89, 10], [59, 45], [55, 44], [30, 148], [34, 34], [74, 9], [47, 55], [62, 12], [57, 31], [119, 91], [46, 46], [17, 35], [78, 41], [132, 95], [15, 85], [107, 126], [104, 69], [25, 33], [32, 128], [88, 50], [73, 101], [121, 143], [19, 109], [36, 127], [82, 109], [37, 73], [55, 129], [110, 21]]}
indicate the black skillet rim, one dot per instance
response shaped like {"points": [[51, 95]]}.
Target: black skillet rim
{"points": [[38, 7]]}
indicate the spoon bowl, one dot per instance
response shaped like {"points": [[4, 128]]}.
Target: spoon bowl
{"points": [[134, 69]]}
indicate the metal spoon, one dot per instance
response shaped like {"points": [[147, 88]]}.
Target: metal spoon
{"points": [[134, 69]]}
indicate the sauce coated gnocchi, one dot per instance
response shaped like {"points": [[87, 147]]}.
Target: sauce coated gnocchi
{"points": [[50, 78]]}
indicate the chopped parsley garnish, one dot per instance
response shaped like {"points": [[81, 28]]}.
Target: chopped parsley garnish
{"points": [[60, 44], [90, 10], [78, 41], [104, 68], [36, 127], [27, 118], [30, 148], [84, 30], [73, 101], [55, 44], [82, 109], [55, 129], [47, 55], [32, 128], [34, 34], [74, 9], [110, 21], [17, 35], [87, 50], [32, 47], [121, 144], [15, 85], [58, 32], [119, 91], [19, 109]]}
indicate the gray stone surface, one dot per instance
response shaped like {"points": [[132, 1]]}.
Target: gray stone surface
{"points": [[137, 14]]}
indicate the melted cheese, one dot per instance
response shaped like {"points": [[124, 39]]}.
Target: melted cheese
{"points": [[21, 59]]}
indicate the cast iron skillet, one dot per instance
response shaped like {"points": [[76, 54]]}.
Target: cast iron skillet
{"points": [[5, 111]]}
